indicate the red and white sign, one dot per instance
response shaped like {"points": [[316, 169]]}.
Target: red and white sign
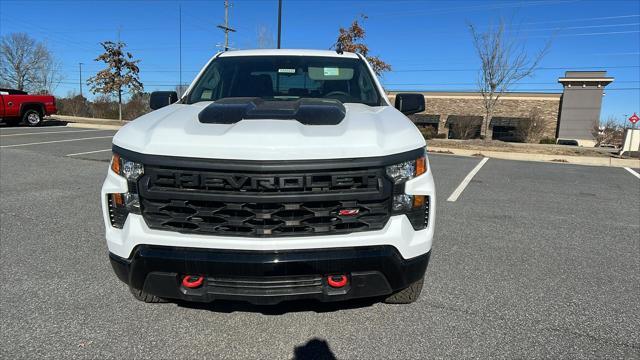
{"points": [[634, 118]]}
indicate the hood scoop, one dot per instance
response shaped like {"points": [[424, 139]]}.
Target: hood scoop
{"points": [[307, 111]]}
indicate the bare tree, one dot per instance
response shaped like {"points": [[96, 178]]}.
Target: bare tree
{"points": [[74, 105], [350, 39], [181, 89], [531, 129], [608, 132], [121, 73], [49, 75], [137, 106], [505, 61], [26, 64]]}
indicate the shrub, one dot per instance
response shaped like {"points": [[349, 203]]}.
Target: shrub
{"points": [[547, 140], [441, 136], [428, 132], [531, 129]]}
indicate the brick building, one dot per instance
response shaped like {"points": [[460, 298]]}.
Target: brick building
{"points": [[567, 115]]}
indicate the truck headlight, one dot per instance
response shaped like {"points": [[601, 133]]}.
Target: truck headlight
{"points": [[130, 170], [413, 206], [407, 170], [121, 204]]}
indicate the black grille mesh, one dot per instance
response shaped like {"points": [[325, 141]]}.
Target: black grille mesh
{"points": [[204, 202], [264, 219]]}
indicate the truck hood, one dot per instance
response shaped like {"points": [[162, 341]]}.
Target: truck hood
{"points": [[176, 131]]}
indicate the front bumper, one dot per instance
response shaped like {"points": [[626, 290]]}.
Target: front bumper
{"points": [[269, 277]]}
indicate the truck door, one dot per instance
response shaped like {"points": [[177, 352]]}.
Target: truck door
{"points": [[1, 105]]}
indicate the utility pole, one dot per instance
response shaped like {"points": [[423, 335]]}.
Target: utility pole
{"points": [[279, 20], [180, 49], [226, 27], [80, 83]]}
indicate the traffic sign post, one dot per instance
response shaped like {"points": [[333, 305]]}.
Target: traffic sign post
{"points": [[633, 119]]}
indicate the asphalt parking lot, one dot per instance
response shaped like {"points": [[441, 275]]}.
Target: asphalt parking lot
{"points": [[532, 260]]}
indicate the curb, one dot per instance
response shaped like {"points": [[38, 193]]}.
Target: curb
{"points": [[93, 121], [557, 159], [93, 126]]}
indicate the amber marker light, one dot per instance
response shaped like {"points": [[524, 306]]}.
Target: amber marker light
{"points": [[115, 163], [421, 166]]}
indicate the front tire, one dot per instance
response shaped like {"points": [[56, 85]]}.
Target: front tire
{"points": [[32, 118], [146, 297], [407, 295]]}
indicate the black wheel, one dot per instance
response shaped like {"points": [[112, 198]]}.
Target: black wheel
{"points": [[12, 121], [407, 295], [143, 296], [32, 118]]}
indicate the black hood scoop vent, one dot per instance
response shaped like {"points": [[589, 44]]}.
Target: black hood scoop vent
{"points": [[307, 111]]}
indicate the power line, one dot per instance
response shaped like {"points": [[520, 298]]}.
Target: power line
{"points": [[475, 90], [567, 68], [582, 19], [589, 34], [472, 83], [581, 27], [471, 8]]}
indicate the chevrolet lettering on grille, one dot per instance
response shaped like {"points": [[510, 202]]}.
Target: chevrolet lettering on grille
{"points": [[262, 183]]}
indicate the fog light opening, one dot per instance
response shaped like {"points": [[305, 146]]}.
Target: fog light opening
{"points": [[192, 281], [337, 281]]}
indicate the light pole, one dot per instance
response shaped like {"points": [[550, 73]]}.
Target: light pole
{"points": [[80, 83], [279, 21]]}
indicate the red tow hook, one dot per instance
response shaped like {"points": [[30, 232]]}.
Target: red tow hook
{"points": [[337, 281], [192, 281]]}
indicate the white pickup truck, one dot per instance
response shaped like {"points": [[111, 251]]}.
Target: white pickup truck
{"points": [[280, 174]]}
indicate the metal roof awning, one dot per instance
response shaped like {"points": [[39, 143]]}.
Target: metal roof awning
{"points": [[425, 119], [505, 121], [457, 119]]}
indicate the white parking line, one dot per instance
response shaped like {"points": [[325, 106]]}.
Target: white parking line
{"points": [[51, 132], [34, 128], [88, 152], [632, 172], [56, 141], [456, 193]]}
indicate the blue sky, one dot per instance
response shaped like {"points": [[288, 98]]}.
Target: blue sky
{"points": [[426, 42]]}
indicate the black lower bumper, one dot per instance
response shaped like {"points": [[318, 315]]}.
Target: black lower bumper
{"points": [[269, 277]]}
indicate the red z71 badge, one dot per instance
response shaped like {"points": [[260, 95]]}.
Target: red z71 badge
{"points": [[348, 212]]}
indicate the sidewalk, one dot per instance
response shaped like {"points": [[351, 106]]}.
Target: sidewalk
{"points": [[83, 122], [565, 159]]}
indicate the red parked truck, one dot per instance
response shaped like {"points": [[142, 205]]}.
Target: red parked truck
{"points": [[17, 105]]}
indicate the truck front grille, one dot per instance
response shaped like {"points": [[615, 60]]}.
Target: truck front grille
{"points": [[265, 205]]}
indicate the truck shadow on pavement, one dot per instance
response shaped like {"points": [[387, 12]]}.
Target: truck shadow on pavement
{"points": [[225, 306], [314, 349]]}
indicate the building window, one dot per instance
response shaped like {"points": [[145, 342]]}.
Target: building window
{"points": [[505, 128], [464, 127], [426, 122]]}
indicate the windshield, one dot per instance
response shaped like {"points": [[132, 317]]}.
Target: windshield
{"points": [[347, 80]]}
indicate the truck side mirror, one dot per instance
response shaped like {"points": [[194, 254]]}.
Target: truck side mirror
{"points": [[410, 103], [161, 99]]}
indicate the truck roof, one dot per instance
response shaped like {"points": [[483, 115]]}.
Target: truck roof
{"points": [[287, 52]]}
